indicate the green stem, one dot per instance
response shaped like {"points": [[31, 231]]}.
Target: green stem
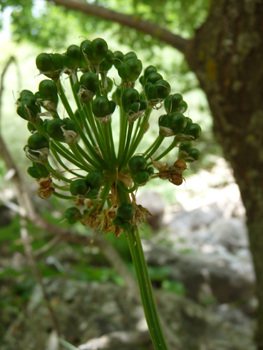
{"points": [[172, 145], [81, 156], [62, 196], [154, 147], [125, 189], [144, 283], [109, 145], [139, 136], [123, 131], [128, 140], [55, 173], [64, 152], [88, 145], [145, 287], [82, 113], [58, 159]]}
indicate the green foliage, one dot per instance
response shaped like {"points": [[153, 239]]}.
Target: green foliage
{"points": [[45, 24], [173, 286]]}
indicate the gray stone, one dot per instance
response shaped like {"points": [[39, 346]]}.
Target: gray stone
{"points": [[84, 324], [230, 232]]}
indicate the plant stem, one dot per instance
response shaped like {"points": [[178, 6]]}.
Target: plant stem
{"points": [[144, 283], [146, 291]]}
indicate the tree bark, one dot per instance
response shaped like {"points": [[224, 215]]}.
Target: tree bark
{"points": [[226, 55]]}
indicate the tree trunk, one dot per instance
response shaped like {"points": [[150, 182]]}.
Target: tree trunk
{"points": [[226, 55]]}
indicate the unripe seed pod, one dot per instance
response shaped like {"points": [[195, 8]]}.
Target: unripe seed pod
{"points": [[63, 130], [95, 179], [184, 107], [130, 70], [45, 63], [163, 89], [164, 126], [164, 120], [21, 111], [125, 211], [136, 164], [141, 177], [193, 130], [102, 107], [193, 155], [57, 61], [128, 97], [107, 62], [118, 59], [148, 70], [116, 96], [153, 77], [94, 51], [31, 127], [106, 84], [177, 122], [150, 170], [126, 226], [129, 55], [173, 103], [118, 221], [150, 92], [47, 88], [27, 97], [90, 81], [72, 215], [184, 149], [92, 194], [74, 54], [37, 141], [38, 171], [79, 187]]}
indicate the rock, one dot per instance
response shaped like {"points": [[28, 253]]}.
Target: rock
{"points": [[229, 232], [103, 313], [186, 221], [227, 284]]}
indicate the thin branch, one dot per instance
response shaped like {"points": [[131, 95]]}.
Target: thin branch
{"points": [[11, 60], [131, 21]]}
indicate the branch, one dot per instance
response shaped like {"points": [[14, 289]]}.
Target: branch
{"points": [[131, 21]]}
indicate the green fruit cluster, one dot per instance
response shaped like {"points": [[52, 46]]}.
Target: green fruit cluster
{"points": [[155, 87], [139, 171], [132, 105], [188, 153], [125, 213], [88, 187], [38, 171]]}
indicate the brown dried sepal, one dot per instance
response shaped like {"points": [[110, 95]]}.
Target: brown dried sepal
{"points": [[92, 220], [141, 214], [172, 173], [126, 180], [46, 188], [179, 166]]}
